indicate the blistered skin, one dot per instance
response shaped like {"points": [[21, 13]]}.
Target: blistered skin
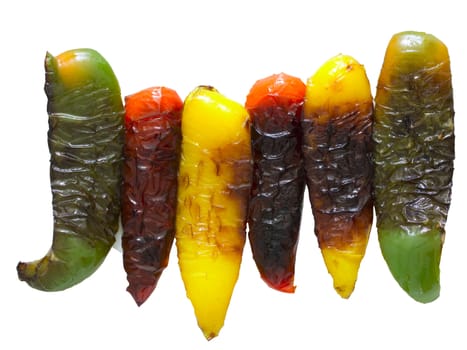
{"points": [[275, 106], [149, 199], [337, 148], [414, 159], [214, 186], [85, 140]]}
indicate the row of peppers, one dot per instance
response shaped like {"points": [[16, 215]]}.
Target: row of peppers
{"points": [[200, 171]]}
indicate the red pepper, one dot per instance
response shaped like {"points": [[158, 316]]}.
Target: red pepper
{"points": [[275, 107], [152, 152]]}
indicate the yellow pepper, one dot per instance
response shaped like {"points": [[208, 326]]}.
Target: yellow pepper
{"points": [[337, 124], [214, 183]]}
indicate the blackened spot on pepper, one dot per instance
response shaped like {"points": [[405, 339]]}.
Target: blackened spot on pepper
{"points": [[339, 171]]}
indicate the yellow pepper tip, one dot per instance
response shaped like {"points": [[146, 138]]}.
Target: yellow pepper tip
{"points": [[339, 82], [343, 266], [223, 121]]}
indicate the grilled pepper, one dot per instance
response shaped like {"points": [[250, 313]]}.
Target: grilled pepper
{"points": [[414, 158], [214, 185], [275, 107], [85, 141], [149, 199], [337, 149]]}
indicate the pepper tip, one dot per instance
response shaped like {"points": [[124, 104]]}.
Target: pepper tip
{"points": [[413, 260]]}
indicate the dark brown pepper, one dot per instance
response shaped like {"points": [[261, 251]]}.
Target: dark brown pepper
{"points": [[152, 152], [275, 106]]}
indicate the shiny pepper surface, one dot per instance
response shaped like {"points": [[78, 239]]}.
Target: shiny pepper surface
{"points": [[337, 148], [149, 199], [275, 106], [414, 156], [214, 186], [86, 146]]}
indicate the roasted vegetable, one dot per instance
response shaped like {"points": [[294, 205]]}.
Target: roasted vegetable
{"points": [[275, 107], [86, 146], [414, 156], [337, 149], [149, 199], [214, 186]]}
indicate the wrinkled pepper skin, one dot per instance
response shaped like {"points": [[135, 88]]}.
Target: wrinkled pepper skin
{"points": [[414, 159], [214, 185], [337, 149], [275, 107], [85, 141], [149, 198]]}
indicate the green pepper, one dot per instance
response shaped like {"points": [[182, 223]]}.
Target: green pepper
{"points": [[85, 141], [414, 159]]}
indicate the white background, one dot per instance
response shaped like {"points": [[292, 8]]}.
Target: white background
{"points": [[230, 45]]}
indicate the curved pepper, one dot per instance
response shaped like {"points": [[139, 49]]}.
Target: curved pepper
{"points": [[275, 107], [337, 147], [149, 199], [85, 140], [214, 186], [414, 156]]}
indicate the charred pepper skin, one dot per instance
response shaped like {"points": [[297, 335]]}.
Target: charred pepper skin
{"points": [[414, 159], [149, 199], [337, 148], [213, 191], [85, 140], [275, 106]]}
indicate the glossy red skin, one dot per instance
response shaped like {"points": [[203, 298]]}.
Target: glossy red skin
{"points": [[152, 151], [275, 106]]}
